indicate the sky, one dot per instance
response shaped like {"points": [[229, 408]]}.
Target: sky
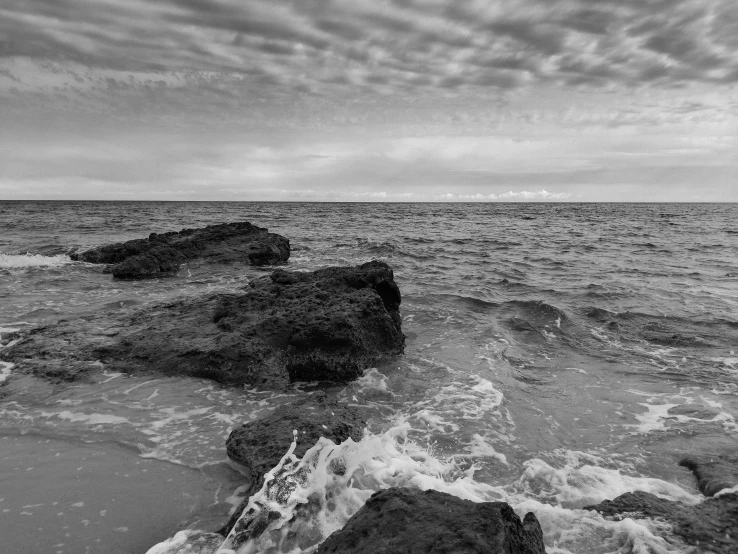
{"points": [[369, 100]]}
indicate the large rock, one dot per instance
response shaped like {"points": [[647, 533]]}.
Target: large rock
{"points": [[327, 325], [410, 521], [711, 525], [163, 254], [259, 445]]}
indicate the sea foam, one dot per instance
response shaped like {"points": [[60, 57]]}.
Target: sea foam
{"points": [[316, 495], [10, 261]]}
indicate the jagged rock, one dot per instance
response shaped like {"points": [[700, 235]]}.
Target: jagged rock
{"points": [[410, 521], [163, 254], [259, 445], [325, 325], [711, 525], [713, 472]]}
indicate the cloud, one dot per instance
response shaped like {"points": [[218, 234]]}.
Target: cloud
{"points": [[399, 45], [503, 95]]}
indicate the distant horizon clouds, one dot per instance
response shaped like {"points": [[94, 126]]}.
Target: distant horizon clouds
{"points": [[403, 100]]}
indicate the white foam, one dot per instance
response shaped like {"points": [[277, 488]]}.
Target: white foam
{"points": [[91, 419], [5, 368], [654, 418], [32, 260], [174, 415], [372, 379], [337, 480], [730, 490], [480, 447], [658, 414], [581, 482]]}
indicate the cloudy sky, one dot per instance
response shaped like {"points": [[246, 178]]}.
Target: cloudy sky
{"points": [[369, 100]]}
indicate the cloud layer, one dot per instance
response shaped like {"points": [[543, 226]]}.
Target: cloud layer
{"points": [[479, 92], [400, 45]]}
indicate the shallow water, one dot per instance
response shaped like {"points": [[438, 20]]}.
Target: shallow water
{"points": [[557, 355]]}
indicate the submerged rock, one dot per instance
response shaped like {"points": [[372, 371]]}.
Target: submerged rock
{"points": [[713, 472], [410, 521], [324, 325], [163, 254], [711, 525]]}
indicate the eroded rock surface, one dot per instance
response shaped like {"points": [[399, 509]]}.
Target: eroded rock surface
{"points": [[163, 254], [712, 525], [410, 521], [325, 325]]}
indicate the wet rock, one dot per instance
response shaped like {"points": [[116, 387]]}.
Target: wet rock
{"points": [[259, 445], [410, 521], [712, 525], [163, 254], [713, 472], [326, 325]]}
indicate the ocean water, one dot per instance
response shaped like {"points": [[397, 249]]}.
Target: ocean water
{"points": [[557, 355]]}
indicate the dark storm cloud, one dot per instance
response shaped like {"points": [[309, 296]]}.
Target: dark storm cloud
{"points": [[314, 45]]}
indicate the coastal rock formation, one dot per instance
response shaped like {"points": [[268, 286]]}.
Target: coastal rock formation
{"points": [[285, 327], [259, 445], [410, 521], [712, 525], [163, 254]]}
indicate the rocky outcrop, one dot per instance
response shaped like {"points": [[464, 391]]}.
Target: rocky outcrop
{"points": [[326, 325], [410, 521], [711, 525], [259, 445], [163, 254]]}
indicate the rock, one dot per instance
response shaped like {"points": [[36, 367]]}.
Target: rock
{"points": [[410, 521], [327, 325], [259, 445], [163, 254], [713, 472], [712, 525]]}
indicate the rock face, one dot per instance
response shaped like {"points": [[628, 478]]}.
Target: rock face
{"points": [[712, 525], [258, 446], [410, 521], [162, 254], [326, 325]]}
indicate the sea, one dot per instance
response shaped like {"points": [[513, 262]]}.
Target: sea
{"points": [[557, 355]]}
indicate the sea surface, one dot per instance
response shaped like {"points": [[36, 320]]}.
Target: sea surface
{"points": [[557, 355]]}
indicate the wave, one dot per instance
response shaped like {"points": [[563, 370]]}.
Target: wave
{"points": [[540, 309], [304, 500], [14, 261]]}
